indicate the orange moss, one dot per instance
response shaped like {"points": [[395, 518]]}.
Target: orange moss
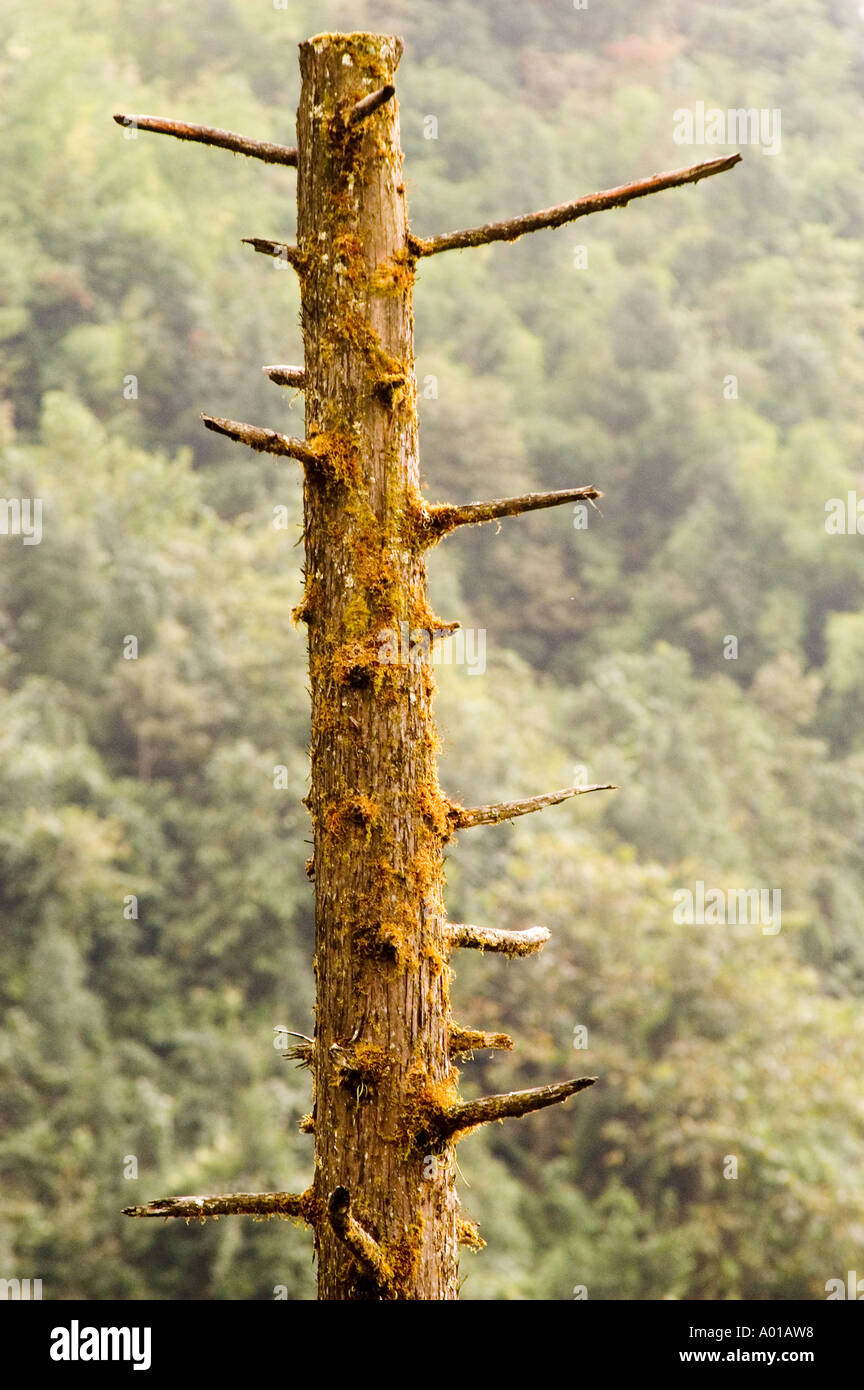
{"points": [[361, 1068], [309, 602], [435, 957], [352, 660], [434, 806], [395, 276], [356, 809], [337, 453], [468, 1234], [348, 253], [389, 939], [403, 1256], [311, 1208], [426, 1101], [467, 1039], [424, 870], [386, 370]]}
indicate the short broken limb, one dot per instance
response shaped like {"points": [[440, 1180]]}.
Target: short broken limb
{"points": [[438, 521], [366, 1251], [287, 376], [264, 441], [568, 212], [506, 943], [475, 1040], [226, 1204], [279, 250], [369, 104], [470, 1113], [463, 817], [209, 135]]}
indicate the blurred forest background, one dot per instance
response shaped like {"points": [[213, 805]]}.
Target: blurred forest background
{"points": [[152, 1038]]}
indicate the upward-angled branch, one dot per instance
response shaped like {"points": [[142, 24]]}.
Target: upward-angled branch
{"points": [[210, 135], [568, 212], [437, 521], [227, 1204], [463, 817], [366, 105], [469, 1113], [506, 943], [265, 441]]}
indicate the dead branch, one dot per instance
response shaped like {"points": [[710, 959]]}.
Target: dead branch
{"points": [[366, 1251], [507, 943], [210, 135], [264, 441], [225, 1204], [568, 212], [475, 1040], [368, 104], [279, 250], [463, 817], [287, 376], [438, 521], [470, 1113]]}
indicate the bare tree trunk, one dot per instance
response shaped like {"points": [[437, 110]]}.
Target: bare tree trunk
{"points": [[382, 1205], [383, 1009]]}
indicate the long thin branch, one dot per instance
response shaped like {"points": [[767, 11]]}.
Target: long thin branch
{"points": [[265, 441], [366, 1251], [210, 135], [225, 1204], [368, 104], [568, 212], [279, 250], [469, 1113], [287, 376], [463, 817], [507, 943], [438, 521]]}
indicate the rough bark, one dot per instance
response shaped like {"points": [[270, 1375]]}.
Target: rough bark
{"points": [[380, 953]]}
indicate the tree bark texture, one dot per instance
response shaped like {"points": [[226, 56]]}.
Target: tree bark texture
{"points": [[383, 1008]]}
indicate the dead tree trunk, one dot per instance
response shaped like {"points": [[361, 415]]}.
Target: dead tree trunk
{"points": [[382, 1204], [383, 1010]]}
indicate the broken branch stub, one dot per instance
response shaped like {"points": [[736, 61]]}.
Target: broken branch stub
{"points": [[507, 943]]}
